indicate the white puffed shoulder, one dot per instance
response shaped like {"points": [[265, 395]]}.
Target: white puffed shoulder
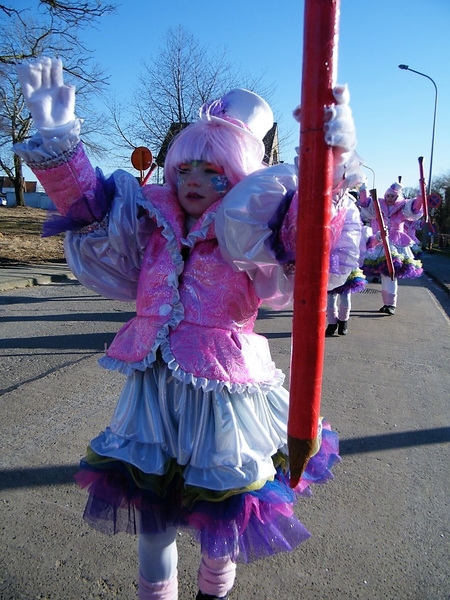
{"points": [[243, 232]]}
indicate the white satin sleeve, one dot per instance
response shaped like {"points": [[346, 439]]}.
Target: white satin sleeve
{"points": [[107, 257], [243, 232], [409, 213], [346, 255]]}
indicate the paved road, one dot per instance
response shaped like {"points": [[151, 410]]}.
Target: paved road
{"points": [[380, 530]]}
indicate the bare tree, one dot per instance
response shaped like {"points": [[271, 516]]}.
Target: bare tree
{"points": [[170, 91], [54, 32], [441, 185], [74, 12]]}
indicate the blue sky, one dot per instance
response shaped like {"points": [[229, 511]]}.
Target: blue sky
{"points": [[393, 109]]}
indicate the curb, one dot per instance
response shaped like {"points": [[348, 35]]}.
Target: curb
{"points": [[437, 281], [24, 281]]}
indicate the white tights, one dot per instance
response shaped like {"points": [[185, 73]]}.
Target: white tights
{"points": [[338, 307], [158, 555]]}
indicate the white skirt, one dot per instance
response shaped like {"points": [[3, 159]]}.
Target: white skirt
{"points": [[223, 440]]}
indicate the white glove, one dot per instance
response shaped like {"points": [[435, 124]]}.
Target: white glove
{"points": [[339, 126], [50, 101]]}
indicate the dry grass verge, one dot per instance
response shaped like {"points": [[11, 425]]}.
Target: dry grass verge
{"points": [[20, 237]]}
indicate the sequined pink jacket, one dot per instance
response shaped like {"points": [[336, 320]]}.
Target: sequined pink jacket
{"points": [[192, 308]]}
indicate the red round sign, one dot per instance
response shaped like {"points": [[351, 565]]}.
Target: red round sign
{"points": [[434, 200], [141, 158]]}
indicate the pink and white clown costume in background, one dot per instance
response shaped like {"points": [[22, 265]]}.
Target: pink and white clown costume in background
{"points": [[346, 256], [396, 211], [198, 438]]}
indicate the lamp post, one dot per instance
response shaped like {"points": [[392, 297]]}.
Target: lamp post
{"points": [[406, 68], [373, 172]]}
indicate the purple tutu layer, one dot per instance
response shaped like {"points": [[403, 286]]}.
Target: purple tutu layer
{"points": [[245, 526], [403, 269], [250, 525], [355, 285]]}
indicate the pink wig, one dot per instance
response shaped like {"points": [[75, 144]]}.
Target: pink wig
{"points": [[237, 152]]}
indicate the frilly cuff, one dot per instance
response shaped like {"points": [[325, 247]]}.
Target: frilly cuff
{"points": [[46, 147]]}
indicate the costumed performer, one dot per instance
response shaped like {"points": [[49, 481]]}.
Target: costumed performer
{"points": [[198, 436], [396, 211], [347, 250]]}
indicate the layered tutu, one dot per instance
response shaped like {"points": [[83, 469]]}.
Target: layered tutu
{"points": [[406, 266], [244, 525], [356, 282], [214, 462]]}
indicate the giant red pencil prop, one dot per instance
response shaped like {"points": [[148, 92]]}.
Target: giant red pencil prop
{"points": [[313, 248], [384, 234], [423, 191]]}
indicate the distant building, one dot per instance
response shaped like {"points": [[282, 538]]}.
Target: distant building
{"points": [[174, 130], [33, 194], [272, 146]]}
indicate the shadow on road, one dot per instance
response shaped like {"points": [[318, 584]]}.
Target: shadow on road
{"points": [[63, 474]]}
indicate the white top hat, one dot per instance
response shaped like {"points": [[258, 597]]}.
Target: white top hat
{"points": [[242, 109], [395, 188]]}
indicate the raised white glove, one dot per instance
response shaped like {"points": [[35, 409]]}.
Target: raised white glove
{"points": [[50, 101], [339, 126]]}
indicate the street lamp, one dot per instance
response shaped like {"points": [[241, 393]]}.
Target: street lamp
{"points": [[406, 68], [373, 172]]}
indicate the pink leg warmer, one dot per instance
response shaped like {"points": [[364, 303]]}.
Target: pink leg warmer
{"points": [[216, 577], [161, 590], [389, 290]]}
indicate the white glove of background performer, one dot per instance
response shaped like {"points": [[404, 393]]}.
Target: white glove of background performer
{"points": [[50, 101], [339, 126]]}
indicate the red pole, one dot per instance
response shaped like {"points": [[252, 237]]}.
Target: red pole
{"points": [[313, 248], [423, 190]]}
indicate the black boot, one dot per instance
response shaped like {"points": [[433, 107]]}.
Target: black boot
{"points": [[331, 329], [202, 596], [342, 327], [390, 310]]}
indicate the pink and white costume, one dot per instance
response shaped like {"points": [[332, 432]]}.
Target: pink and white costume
{"points": [[395, 216], [346, 256], [198, 437]]}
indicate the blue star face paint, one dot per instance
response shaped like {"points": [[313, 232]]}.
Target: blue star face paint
{"points": [[220, 183]]}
